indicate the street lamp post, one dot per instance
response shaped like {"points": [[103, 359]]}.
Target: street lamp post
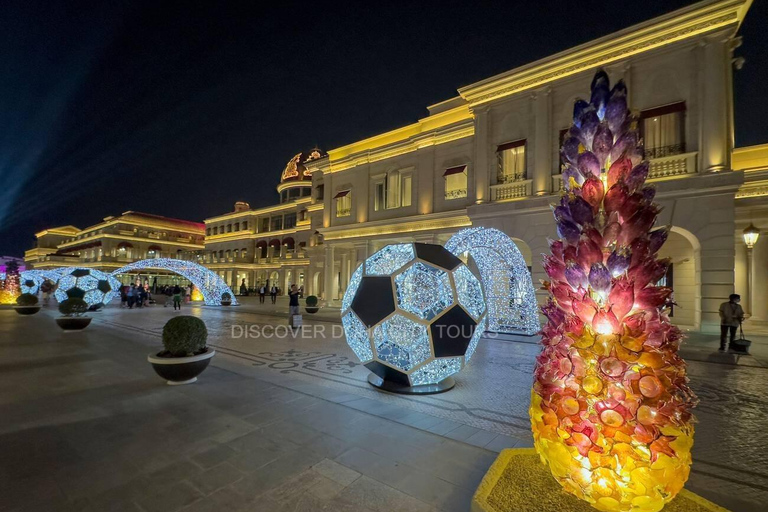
{"points": [[751, 234]]}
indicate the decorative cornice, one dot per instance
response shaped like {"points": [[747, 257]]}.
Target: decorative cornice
{"points": [[676, 26], [400, 226]]}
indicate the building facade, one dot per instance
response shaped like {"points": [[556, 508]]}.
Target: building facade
{"points": [[118, 241], [266, 246], [490, 157]]}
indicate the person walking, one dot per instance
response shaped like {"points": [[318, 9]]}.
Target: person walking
{"points": [[130, 294], [176, 297], [262, 293], [731, 316], [243, 288], [293, 306], [123, 296], [273, 294]]}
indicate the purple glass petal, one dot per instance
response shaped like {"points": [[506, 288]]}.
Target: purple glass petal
{"points": [[562, 213], [599, 277], [602, 143], [578, 110], [581, 211], [649, 192], [588, 164], [657, 239], [568, 231], [623, 144], [616, 109], [571, 149], [618, 261], [589, 124], [638, 176], [575, 275], [572, 172]]}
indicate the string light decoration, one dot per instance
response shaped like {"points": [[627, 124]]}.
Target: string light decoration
{"points": [[10, 287], [505, 277], [209, 283], [413, 314], [94, 286], [610, 405], [31, 281]]}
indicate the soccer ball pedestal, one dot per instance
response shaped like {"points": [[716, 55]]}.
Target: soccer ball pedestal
{"points": [[518, 482], [423, 389]]}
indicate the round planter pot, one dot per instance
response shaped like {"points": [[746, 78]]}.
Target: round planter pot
{"points": [[226, 303], [312, 309], [26, 310], [181, 370], [73, 323]]}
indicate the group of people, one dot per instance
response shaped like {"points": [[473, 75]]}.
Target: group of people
{"points": [[141, 295]]}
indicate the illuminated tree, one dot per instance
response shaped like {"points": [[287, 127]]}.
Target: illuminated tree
{"points": [[610, 405], [12, 285]]}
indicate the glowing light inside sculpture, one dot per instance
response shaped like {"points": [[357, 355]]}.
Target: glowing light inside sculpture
{"points": [[413, 312], [209, 283], [95, 286], [610, 405], [506, 280]]}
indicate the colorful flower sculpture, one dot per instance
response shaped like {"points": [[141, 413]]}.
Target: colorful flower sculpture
{"points": [[610, 405]]}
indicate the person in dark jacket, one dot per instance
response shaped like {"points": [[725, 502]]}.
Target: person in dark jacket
{"points": [[176, 297]]}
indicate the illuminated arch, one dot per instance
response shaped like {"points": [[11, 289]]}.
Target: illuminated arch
{"points": [[507, 284], [210, 285]]}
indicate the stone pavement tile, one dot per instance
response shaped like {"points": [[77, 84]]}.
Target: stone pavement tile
{"points": [[276, 473], [215, 478], [257, 440], [226, 499], [174, 472], [443, 427], [289, 431], [213, 456], [170, 498], [336, 472], [435, 491], [420, 420], [27, 491], [481, 438], [462, 433], [257, 458], [326, 489], [501, 442], [378, 497], [329, 446], [94, 477]]}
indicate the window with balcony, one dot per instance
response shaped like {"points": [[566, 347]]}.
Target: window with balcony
{"points": [[393, 190], [455, 182], [290, 221], [264, 225], [663, 130], [319, 192], [208, 231], [511, 162], [343, 203], [236, 253], [229, 228], [216, 231], [221, 255], [244, 253], [244, 225], [276, 223], [237, 226]]}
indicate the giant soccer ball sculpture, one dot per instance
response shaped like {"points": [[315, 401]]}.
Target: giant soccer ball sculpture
{"points": [[413, 314], [94, 286]]}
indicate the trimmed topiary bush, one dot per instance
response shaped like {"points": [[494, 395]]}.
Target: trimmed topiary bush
{"points": [[75, 293], [26, 299], [73, 306], [311, 301], [184, 336], [226, 296]]}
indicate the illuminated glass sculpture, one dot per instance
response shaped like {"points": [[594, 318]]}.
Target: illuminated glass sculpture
{"points": [[413, 314], [610, 405], [93, 286], [209, 283], [506, 279]]}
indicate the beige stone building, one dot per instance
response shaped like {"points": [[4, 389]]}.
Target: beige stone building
{"points": [[490, 157]]}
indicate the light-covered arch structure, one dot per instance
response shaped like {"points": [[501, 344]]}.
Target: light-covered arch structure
{"points": [[210, 285], [509, 293]]}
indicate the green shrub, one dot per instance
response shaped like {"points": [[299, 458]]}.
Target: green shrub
{"points": [[184, 335], [73, 307], [26, 299], [226, 296], [311, 301]]}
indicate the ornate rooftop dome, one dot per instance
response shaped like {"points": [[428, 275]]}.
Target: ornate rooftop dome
{"points": [[295, 170]]}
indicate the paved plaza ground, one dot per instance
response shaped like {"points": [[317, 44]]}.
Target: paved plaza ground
{"points": [[282, 423]]}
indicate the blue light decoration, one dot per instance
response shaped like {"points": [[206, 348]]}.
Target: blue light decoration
{"points": [[97, 287], [413, 313], [209, 283], [507, 284]]}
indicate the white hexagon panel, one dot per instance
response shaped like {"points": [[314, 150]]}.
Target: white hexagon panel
{"points": [[413, 313], [91, 285]]}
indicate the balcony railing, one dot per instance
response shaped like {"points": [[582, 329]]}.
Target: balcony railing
{"points": [[513, 190], [343, 212], [664, 151], [456, 193], [674, 165]]}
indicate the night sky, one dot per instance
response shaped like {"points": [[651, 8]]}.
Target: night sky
{"points": [[182, 109]]}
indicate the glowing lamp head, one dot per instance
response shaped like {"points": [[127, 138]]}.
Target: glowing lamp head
{"points": [[751, 234]]}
